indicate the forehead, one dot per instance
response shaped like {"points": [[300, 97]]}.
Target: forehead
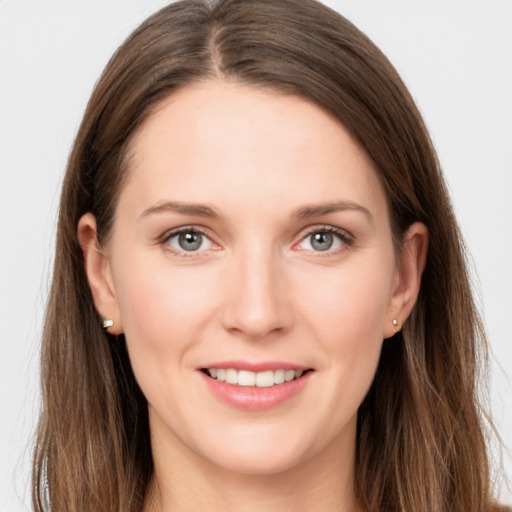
{"points": [[217, 141]]}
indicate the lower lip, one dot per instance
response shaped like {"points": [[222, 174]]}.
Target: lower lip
{"points": [[255, 398]]}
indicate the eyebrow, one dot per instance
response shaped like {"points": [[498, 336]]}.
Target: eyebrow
{"points": [[201, 210], [310, 211], [304, 212]]}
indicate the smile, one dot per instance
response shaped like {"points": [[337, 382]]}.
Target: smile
{"points": [[264, 386], [246, 378]]}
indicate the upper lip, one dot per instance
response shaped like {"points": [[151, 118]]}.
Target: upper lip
{"points": [[261, 366]]}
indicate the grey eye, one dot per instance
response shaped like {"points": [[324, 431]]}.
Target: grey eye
{"points": [[321, 241], [324, 240], [189, 241]]}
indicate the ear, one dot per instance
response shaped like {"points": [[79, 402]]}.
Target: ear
{"points": [[98, 271], [411, 264]]}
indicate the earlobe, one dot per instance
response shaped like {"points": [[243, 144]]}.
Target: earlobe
{"points": [[411, 264], [99, 275]]}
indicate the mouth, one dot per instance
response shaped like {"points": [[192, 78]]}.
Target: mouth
{"points": [[255, 386], [250, 379]]}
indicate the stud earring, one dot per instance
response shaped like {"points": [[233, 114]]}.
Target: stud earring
{"points": [[107, 322], [395, 325]]}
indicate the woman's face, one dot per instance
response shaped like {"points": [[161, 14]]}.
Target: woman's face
{"points": [[252, 243]]}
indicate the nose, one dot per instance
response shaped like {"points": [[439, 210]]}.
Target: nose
{"points": [[257, 301]]}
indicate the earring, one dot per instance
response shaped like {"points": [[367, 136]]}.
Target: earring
{"points": [[107, 322], [395, 325]]}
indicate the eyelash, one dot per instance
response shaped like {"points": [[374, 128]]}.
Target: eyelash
{"points": [[178, 231], [344, 237]]}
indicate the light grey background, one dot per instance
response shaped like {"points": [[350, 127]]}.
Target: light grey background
{"points": [[455, 56]]}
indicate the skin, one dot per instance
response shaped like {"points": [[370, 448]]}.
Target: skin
{"points": [[256, 290]]}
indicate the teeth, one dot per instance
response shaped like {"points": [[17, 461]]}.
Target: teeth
{"points": [[250, 379], [231, 376], [289, 375], [245, 378], [279, 376], [265, 379]]}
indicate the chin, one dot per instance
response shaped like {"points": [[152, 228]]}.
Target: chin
{"points": [[262, 463], [259, 454]]}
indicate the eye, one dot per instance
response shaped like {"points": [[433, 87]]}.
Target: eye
{"points": [[324, 239], [189, 240]]}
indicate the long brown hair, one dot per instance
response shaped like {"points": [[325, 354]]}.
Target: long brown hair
{"points": [[420, 440]]}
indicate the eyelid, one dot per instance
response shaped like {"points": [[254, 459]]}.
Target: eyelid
{"points": [[346, 237], [191, 228]]}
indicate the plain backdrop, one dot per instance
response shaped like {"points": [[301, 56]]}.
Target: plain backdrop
{"points": [[455, 56]]}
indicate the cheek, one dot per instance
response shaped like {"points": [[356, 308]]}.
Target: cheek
{"points": [[161, 307], [346, 312], [348, 304]]}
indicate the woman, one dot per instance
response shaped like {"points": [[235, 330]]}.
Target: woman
{"points": [[260, 298]]}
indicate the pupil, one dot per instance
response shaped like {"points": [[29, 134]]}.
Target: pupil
{"points": [[190, 241], [322, 241]]}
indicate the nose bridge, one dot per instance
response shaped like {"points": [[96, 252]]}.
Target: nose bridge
{"points": [[257, 304]]}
